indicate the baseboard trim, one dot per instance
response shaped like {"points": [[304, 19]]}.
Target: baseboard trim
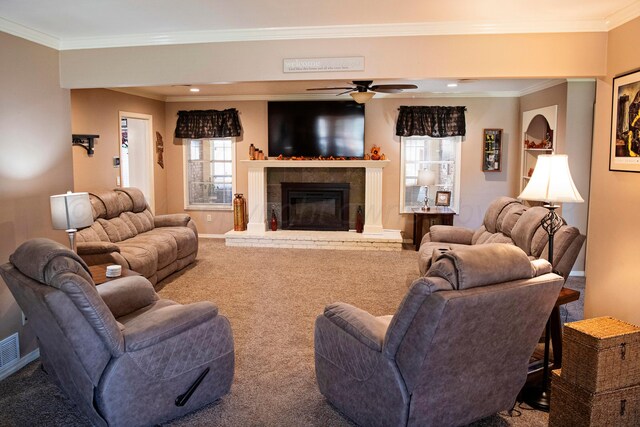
{"points": [[211, 236], [19, 364], [576, 273]]}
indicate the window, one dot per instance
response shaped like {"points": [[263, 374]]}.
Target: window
{"points": [[209, 172], [442, 157]]}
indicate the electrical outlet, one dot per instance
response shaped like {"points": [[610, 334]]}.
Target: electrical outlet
{"points": [[208, 218]]}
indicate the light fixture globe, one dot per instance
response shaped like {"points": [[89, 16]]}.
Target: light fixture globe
{"points": [[362, 97]]}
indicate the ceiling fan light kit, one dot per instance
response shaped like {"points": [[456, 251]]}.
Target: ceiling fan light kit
{"points": [[361, 97]]}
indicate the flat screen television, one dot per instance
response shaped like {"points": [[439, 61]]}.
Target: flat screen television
{"points": [[316, 128]]}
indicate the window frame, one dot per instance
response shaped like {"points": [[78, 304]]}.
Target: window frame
{"points": [[186, 157], [455, 199]]}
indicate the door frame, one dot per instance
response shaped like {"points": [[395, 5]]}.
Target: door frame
{"points": [[149, 150]]}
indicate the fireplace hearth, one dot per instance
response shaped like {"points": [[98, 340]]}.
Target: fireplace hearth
{"points": [[315, 206]]}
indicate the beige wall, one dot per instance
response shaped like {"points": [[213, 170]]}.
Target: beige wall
{"points": [[477, 188], [578, 146], [490, 56], [95, 111], [612, 248], [35, 160]]}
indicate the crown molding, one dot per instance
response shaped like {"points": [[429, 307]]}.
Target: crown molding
{"points": [[322, 32], [134, 92], [333, 32], [541, 86], [27, 33], [623, 16]]}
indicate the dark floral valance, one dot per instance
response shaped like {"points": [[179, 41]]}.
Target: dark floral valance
{"points": [[198, 124], [436, 122]]}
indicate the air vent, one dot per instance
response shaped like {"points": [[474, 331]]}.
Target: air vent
{"points": [[9, 351]]}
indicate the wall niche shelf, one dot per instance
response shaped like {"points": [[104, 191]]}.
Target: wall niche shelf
{"points": [[538, 137]]}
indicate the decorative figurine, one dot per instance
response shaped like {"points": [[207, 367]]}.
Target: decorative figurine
{"points": [[359, 220]]}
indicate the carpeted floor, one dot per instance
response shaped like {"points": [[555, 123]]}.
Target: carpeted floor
{"points": [[271, 297]]}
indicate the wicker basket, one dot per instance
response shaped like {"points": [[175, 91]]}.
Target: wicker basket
{"points": [[601, 354], [572, 406]]}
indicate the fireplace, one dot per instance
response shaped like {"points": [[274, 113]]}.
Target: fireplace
{"points": [[315, 206]]}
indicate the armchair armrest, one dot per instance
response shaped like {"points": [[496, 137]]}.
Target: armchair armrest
{"points": [[158, 325], [127, 294], [171, 220], [450, 234], [363, 326], [96, 248]]}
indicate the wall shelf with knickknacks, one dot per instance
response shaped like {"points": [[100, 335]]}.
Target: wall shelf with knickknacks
{"points": [[538, 138], [492, 150]]}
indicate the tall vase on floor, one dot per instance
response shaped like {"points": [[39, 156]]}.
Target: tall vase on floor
{"points": [[239, 218]]}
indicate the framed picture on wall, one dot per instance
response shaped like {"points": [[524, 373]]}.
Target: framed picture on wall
{"points": [[443, 198], [492, 150], [625, 123]]}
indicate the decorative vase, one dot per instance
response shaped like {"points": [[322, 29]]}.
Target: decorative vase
{"points": [[239, 221], [274, 220], [359, 220]]}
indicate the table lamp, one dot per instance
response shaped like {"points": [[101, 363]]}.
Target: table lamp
{"points": [[425, 179], [551, 183], [69, 212]]}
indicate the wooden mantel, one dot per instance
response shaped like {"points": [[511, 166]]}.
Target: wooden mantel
{"points": [[257, 197]]}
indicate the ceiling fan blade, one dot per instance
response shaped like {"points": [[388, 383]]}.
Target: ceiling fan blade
{"points": [[332, 88], [385, 90], [393, 86], [346, 91]]}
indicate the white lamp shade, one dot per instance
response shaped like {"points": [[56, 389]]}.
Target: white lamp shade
{"points": [[361, 97], [551, 181], [426, 178], [71, 210]]}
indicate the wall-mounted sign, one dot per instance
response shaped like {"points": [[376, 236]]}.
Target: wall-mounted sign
{"points": [[310, 65]]}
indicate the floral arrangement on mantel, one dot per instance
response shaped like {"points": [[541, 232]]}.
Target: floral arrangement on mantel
{"points": [[375, 155]]}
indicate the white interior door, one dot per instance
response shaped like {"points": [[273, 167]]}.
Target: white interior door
{"points": [[136, 153]]}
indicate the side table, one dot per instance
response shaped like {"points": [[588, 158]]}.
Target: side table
{"points": [[440, 215], [99, 273]]}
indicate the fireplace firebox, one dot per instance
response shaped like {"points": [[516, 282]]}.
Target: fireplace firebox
{"points": [[315, 206]]}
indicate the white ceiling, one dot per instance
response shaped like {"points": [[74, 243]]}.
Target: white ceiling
{"points": [[79, 24]]}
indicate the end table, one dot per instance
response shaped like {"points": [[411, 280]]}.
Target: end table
{"points": [[99, 273], [439, 215]]}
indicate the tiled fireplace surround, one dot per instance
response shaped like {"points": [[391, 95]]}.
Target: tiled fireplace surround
{"points": [[365, 179]]}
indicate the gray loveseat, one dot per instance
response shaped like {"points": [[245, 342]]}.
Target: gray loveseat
{"points": [[507, 221], [125, 232], [124, 356], [456, 350]]}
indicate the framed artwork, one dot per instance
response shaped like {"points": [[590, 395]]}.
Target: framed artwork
{"points": [[492, 150], [443, 198], [625, 123]]}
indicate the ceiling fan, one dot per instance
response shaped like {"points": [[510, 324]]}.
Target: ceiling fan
{"points": [[364, 90]]}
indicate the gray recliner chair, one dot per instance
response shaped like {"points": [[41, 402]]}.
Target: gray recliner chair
{"points": [[124, 356], [457, 349]]}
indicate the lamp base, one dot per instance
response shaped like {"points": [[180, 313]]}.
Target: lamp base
{"points": [[72, 238], [538, 399]]}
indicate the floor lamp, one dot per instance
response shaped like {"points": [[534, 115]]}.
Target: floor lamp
{"points": [[551, 183], [69, 212], [425, 179]]}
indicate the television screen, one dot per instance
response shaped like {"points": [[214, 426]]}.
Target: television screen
{"points": [[316, 128]]}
